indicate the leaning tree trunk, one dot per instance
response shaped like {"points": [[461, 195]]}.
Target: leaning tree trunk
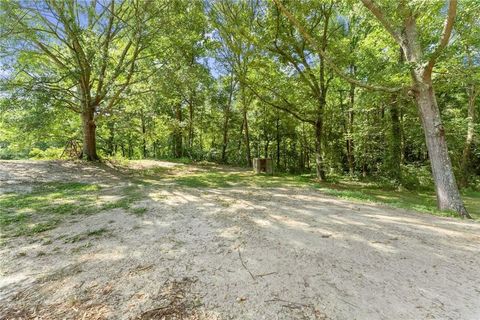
{"points": [[448, 195], [89, 135]]}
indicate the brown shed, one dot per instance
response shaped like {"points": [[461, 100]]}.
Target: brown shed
{"points": [[263, 165]]}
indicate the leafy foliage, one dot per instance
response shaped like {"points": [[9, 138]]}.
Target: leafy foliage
{"points": [[227, 81]]}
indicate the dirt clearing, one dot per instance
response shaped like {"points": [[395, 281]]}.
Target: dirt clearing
{"points": [[179, 252]]}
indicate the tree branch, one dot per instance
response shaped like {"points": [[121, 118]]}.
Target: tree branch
{"points": [[378, 13], [276, 106], [445, 37], [327, 60]]}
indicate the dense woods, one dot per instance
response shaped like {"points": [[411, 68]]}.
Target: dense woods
{"points": [[367, 89]]}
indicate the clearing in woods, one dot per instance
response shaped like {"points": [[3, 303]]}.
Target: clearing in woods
{"points": [[159, 240]]}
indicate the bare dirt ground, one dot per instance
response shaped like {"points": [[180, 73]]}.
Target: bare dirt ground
{"points": [[236, 253]]}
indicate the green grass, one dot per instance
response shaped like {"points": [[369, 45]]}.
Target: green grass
{"points": [[247, 179], [48, 204], [139, 211], [43, 207], [366, 191]]}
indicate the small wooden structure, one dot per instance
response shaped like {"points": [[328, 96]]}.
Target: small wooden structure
{"points": [[73, 150], [263, 165]]}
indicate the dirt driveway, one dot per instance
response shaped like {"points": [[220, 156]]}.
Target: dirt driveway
{"points": [[235, 253]]}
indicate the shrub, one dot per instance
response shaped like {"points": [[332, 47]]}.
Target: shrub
{"points": [[49, 153]]}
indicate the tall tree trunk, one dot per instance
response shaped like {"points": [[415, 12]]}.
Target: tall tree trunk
{"points": [[448, 196], [467, 149], [190, 126], [239, 149], [318, 150], [247, 138], [225, 137], [395, 157], [89, 134], [177, 134], [226, 120], [350, 115], [144, 132], [278, 141], [301, 158]]}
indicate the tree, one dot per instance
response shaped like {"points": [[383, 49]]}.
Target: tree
{"points": [[87, 50], [421, 67]]}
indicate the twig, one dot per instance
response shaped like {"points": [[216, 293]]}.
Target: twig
{"points": [[266, 274], [289, 302], [298, 305], [243, 264]]}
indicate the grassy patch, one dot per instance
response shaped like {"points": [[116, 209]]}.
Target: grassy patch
{"points": [[246, 179], [423, 200], [48, 204], [418, 200], [130, 194], [42, 208], [139, 211]]}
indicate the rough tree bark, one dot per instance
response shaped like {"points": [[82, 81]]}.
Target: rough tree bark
{"points": [[89, 135], [448, 195]]}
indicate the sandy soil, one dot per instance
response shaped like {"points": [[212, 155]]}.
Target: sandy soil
{"points": [[237, 253]]}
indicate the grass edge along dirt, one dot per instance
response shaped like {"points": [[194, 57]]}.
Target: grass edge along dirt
{"points": [[422, 200], [47, 204]]}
